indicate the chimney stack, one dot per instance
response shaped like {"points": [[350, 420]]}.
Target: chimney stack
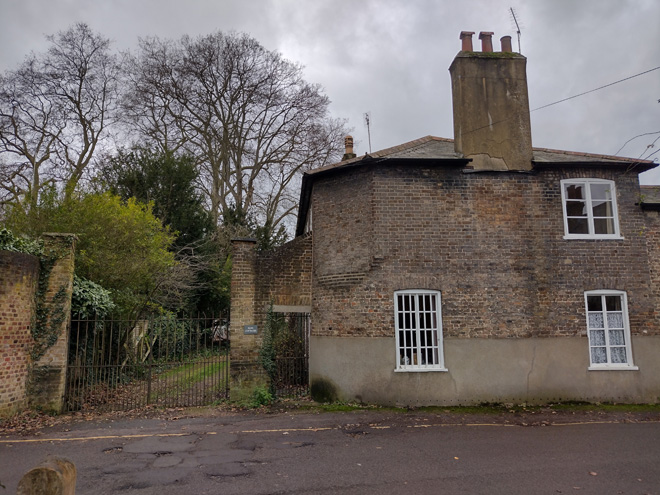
{"points": [[491, 105]]}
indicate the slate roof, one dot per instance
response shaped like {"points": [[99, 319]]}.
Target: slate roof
{"points": [[442, 149]]}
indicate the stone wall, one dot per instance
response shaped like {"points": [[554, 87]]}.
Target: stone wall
{"points": [[19, 274]]}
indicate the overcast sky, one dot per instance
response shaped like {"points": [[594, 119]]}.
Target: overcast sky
{"points": [[390, 57]]}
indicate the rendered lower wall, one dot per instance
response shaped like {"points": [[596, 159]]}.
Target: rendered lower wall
{"points": [[530, 370]]}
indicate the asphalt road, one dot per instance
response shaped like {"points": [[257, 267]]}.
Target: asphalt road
{"points": [[349, 453]]}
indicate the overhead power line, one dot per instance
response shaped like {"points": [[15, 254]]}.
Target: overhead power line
{"points": [[566, 99], [633, 138], [596, 89]]}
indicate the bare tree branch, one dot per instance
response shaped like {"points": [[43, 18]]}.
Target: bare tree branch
{"points": [[246, 114]]}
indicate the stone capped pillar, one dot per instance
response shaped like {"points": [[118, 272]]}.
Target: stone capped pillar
{"points": [[48, 374]]}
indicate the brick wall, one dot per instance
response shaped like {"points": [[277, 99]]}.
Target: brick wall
{"points": [[48, 374], [492, 243], [282, 277], [19, 275], [243, 292], [653, 244]]}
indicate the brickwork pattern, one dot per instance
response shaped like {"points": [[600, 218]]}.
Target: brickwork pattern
{"points": [[492, 243], [19, 275], [243, 347], [48, 378], [652, 230], [281, 276], [284, 274]]}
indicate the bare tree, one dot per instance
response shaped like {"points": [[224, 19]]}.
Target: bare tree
{"points": [[30, 124], [54, 113], [245, 113]]}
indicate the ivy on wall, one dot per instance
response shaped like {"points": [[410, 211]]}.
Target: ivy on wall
{"points": [[49, 315]]}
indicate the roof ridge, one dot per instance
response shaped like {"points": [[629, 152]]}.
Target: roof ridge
{"points": [[401, 147]]}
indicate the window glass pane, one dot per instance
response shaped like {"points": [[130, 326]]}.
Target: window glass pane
{"points": [[576, 208], [616, 337], [578, 226], [594, 303], [602, 208], [598, 355], [597, 337], [601, 191], [427, 357], [575, 191], [596, 320], [613, 303], [614, 320], [604, 225], [618, 354]]}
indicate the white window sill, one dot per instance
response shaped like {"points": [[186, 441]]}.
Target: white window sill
{"points": [[593, 237], [613, 368], [415, 370]]}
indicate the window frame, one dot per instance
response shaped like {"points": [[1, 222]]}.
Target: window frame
{"points": [[609, 365], [587, 182], [437, 344]]}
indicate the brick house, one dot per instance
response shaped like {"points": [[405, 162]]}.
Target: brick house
{"points": [[474, 269]]}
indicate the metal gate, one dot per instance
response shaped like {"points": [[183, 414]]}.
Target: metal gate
{"points": [[164, 361], [290, 376]]}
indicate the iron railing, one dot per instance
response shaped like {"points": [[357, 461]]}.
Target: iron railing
{"points": [[291, 376], [126, 364]]}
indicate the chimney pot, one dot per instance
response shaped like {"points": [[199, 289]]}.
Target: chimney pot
{"points": [[466, 38], [348, 144], [506, 43], [486, 38]]}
